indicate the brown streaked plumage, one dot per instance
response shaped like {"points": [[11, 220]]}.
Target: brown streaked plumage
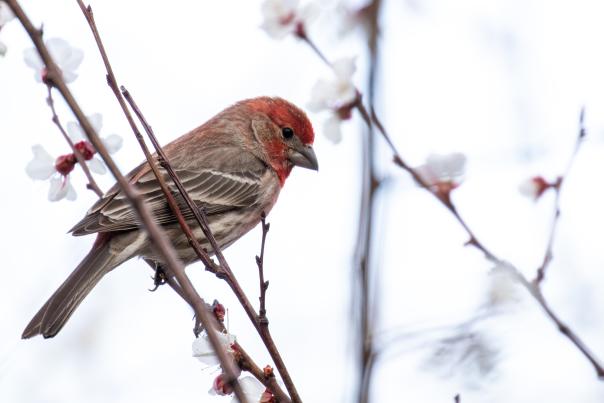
{"points": [[234, 166]]}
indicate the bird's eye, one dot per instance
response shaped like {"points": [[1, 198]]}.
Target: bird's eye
{"points": [[287, 132]]}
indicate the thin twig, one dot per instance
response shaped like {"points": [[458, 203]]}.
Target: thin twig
{"points": [[193, 297], [372, 119], [92, 185], [260, 263], [557, 187]]}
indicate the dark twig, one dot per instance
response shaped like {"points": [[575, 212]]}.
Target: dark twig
{"points": [[260, 263], [473, 240], [92, 185], [207, 321]]}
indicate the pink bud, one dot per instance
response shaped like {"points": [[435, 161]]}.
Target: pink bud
{"points": [[219, 311], [221, 387], [44, 76], [267, 397], [86, 149], [300, 30], [534, 187], [65, 163]]}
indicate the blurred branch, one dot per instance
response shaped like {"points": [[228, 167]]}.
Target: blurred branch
{"points": [[547, 258], [370, 186], [92, 185], [371, 119]]}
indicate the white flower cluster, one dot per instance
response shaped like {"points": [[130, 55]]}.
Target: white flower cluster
{"points": [[67, 58], [44, 167], [202, 350]]}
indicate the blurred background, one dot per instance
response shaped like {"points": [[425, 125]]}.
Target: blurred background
{"points": [[502, 81]]}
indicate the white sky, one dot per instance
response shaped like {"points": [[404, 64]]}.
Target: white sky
{"points": [[502, 81]]}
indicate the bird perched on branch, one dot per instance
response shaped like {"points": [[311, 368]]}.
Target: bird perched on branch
{"points": [[233, 166]]}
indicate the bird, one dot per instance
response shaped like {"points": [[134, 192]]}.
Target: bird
{"points": [[233, 166]]}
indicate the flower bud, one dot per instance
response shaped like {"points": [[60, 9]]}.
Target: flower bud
{"points": [[65, 163], [86, 149]]}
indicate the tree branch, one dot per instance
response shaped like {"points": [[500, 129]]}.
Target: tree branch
{"points": [[373, 120], [154, 231]]}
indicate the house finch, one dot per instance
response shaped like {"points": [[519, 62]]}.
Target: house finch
{"points": [[233, 166]]}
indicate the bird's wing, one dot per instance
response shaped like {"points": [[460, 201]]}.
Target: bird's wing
{"points": [[216, 190]]}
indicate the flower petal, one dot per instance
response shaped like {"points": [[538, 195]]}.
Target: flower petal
{"points": [[96, 120], [113, 143], [6, 14], [57, 190], [71, 193], [73, 61], [74, 131], [59, 49], [332, 129], [97, 166], [42, 166], [203, 351], [345, 67], [252, 389], [69, 76], [33, 60]]}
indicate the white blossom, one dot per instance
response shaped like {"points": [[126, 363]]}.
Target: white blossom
{"points": [[443, 168], [335, 93], [60, 188], [533, 187], [6, 14], [503, 285], [42, 167], [112, 143], [282, 17], [67, 58], [203, 351], [252, 389], [336, 96]]}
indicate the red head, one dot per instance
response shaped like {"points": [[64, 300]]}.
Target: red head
{"points": [[286, 136]]}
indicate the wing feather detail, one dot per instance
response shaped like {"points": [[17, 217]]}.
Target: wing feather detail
{"points": [[214, 190]]}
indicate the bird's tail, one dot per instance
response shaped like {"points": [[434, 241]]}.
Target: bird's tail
{"points": [[56, 311]]}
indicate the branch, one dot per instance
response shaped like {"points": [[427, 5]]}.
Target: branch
{"points": [[156, 234], [92, 185], [373, 120], [176, 266], [548, 256], [260, 263]]}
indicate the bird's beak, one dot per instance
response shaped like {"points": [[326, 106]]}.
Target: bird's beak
{"points": [[304, 156]]}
